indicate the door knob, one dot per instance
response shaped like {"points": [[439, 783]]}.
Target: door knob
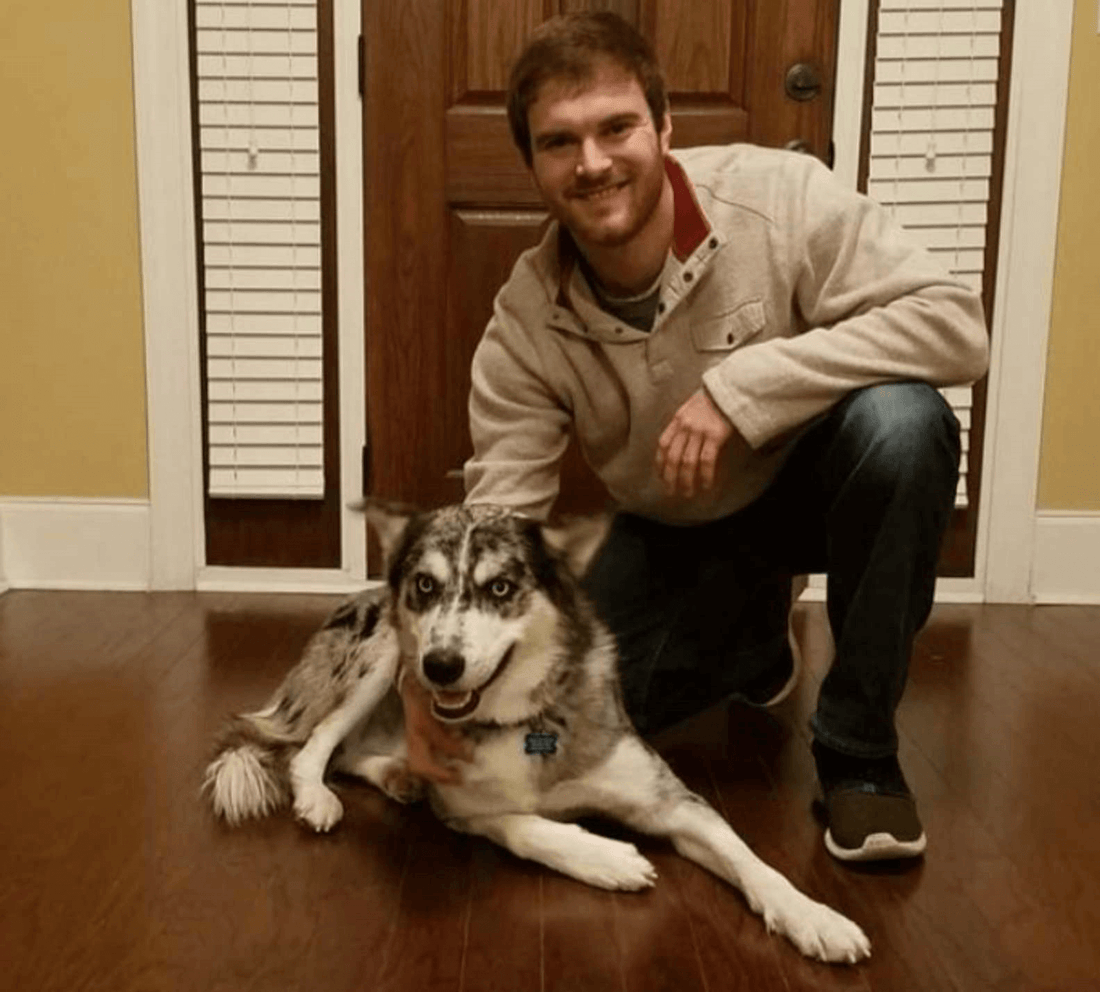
{"points": [[803, 81]]}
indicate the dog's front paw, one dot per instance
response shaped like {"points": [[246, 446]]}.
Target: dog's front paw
{"points": [[610, 864], [317, 805], [820, 932], [825, 934]]}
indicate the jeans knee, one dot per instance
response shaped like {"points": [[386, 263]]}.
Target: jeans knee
{"points": [[904, 430]]}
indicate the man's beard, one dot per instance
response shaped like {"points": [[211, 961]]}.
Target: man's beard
{"points": [[646, 187]]}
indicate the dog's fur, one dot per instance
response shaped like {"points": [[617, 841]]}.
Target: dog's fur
{"points": [[484, 608]]}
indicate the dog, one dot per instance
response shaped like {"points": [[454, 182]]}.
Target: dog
{"points": [[485, 608]]}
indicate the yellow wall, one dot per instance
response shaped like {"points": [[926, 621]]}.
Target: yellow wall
{"points": [[1069, 477], [72, 379]]}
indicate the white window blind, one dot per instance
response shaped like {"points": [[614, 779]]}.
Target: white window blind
{"points": [[261, 240], [935, 94]]}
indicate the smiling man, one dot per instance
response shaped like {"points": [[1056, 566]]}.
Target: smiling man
{"points": [[746, 353]]}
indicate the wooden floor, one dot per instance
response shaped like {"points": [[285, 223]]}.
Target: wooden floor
{"points": [[113, 875]]}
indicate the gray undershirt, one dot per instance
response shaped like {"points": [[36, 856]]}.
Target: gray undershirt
{"points": [[638, 311]]}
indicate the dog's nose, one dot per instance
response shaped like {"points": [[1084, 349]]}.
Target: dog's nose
{"points": [[443, 667]]}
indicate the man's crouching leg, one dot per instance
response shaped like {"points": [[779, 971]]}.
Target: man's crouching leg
{"points": [[887, 458]]}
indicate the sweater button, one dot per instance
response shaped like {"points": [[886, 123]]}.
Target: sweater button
{"points": [[688, 277], [661, 307], [713, 242], [729, 339]]}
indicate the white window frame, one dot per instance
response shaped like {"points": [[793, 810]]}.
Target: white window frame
{"points": [[1025, 275]]}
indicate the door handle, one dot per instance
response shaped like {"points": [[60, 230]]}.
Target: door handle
{"points": [[803, 82]]}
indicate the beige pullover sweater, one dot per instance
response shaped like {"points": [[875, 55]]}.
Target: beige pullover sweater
{"points": [[783, 292]]}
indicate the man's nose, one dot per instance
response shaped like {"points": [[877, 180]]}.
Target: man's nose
{"points": [[593, 158]]}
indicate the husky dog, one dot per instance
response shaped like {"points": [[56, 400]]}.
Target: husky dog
{"points": [[485, 609]]}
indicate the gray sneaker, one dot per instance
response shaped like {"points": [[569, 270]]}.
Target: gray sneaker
{"points": [[871, 813], [868, 824]]}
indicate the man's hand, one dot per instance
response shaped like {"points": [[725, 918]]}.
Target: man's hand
{"points": [[430, 742], [687, 453]]}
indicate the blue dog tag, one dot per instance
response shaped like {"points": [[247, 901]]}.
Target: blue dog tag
{"points": [[540, 743]]}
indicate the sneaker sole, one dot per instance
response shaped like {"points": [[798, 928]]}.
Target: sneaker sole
{"points": [[877, 847]]}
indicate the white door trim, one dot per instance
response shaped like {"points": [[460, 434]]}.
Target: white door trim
{"points": [[170, 290], [162, 111], [1034, 154]]}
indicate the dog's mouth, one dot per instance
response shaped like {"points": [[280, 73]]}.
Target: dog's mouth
{"points": [[448, 706]]}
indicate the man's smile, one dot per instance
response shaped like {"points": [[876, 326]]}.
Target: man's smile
{"points": [[601, 192]]}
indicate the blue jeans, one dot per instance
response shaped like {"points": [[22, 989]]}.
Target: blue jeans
{"points": [[700, 613]]}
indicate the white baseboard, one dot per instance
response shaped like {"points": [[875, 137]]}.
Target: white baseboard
{"points": [[1066, 564], [4, 586], [947, 591], [75, 544], [279, 580], [105, 544]]}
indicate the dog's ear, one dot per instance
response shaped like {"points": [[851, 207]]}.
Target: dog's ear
{"points": [[388, 520], [577, 539]]}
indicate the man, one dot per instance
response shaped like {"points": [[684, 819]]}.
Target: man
{"points": [[746, 353]]}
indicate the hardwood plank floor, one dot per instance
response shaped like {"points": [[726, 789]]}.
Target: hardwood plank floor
{"points": [[113, 874]]}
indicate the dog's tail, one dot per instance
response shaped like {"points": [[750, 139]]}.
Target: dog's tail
{"points": [[250, 774]]}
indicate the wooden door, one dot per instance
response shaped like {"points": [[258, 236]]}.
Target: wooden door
{"points": [[449, 204]]}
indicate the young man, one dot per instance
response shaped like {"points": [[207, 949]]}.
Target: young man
{"points": [[746, 353]]}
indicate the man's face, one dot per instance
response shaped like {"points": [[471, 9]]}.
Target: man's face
{"points": [[597, 158]]}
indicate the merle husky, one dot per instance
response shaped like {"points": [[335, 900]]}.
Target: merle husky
{"points": [[485, 608]]}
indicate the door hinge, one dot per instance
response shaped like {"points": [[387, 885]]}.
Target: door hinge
{"points": [[361, 54]]}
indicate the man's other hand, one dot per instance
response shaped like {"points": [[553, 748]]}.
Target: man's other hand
{"points": [[687, 453], [432, 745]]}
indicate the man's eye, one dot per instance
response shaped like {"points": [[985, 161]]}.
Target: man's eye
{"points": [[500, 588], [619, 129], [554, 144], [425, 584]]}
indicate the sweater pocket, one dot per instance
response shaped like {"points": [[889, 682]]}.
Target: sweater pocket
{"points": [[730, 329]]}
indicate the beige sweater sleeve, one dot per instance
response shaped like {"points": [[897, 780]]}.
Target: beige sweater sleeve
{"points": [[519, 428], [873, 307]]}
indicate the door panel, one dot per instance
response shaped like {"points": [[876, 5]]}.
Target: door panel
{"points": [[450, 204]]}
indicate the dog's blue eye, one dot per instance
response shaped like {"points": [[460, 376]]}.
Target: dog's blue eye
{"points": [[500, 588], [425, 584]]}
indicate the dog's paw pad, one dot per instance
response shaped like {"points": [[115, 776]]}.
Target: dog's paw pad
{"points": [[319, 807]]}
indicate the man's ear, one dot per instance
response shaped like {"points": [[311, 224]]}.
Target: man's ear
{"points": [[389, 520], [664, 136], [577, 539]]}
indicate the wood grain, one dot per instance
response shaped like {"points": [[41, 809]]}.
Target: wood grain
{"points": [[693, 44], [495, 32], [113, 874]]}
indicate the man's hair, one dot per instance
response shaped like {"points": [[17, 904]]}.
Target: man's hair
{"points": [[570, 48]]}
